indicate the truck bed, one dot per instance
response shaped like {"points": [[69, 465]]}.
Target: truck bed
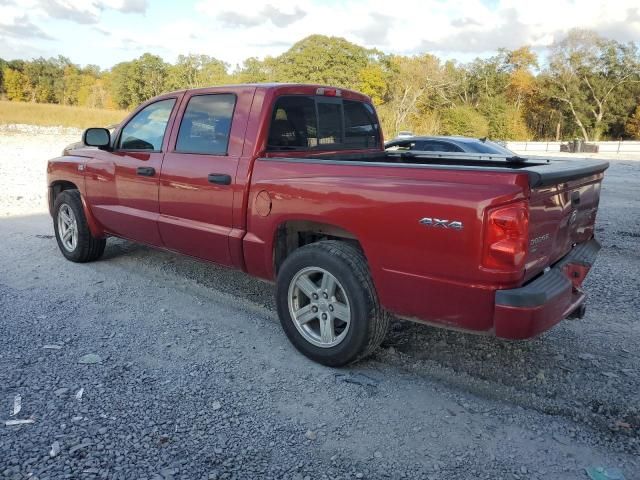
{"points": [[382, 199]]}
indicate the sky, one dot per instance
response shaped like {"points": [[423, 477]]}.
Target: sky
{"points": [[105, 32]]}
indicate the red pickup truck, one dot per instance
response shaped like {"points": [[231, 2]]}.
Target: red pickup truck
{"points": [[291, 183]]}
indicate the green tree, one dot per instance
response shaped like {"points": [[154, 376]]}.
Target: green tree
{"points": [[632, 127], [3, 65], [464, 120], [42, 74], [324, 60], [16, 84], [69, 85], [373, 81], [588, 74], [92, 70], [138, 80], [590, 86], [192, 71], [119, 82], [544, 117], [485, 79], [254, 70], [505, 120], [417, 85], [151, 75], [92, 92], [521, 81]]}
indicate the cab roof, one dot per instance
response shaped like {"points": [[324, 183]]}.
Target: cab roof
{"points": [[278, 89]]}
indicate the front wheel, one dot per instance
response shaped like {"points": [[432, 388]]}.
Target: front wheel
{"points": [[72, 231], [328, 305]]}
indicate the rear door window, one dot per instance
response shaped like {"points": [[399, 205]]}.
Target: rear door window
{"points": [[301, 122], [206, 124]]}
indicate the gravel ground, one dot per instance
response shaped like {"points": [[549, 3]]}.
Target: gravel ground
{"points": [[194, 378], [24, 151]]}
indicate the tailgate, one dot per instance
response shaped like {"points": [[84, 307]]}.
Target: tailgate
{"points": [[562, 212]]}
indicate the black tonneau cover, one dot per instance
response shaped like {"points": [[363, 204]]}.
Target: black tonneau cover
{"points": [[560, 170], [542, 171]]}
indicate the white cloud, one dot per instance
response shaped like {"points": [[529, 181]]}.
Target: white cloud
{"points": [[16, 23], [470, 27], [233, 31], [126, 6], [269, 13], [73, 10], [87, 12]]}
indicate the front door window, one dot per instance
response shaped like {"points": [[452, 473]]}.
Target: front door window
{"points": [[146, 130]]}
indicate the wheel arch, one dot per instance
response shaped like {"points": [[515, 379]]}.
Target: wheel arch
{"points": [[56, 188], [293, 234]]}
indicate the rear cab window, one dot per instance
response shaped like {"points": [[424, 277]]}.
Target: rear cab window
{"points": [[301, 122]]}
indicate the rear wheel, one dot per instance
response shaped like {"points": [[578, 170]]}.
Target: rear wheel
{"points": [[72, 231], [327, 303]]}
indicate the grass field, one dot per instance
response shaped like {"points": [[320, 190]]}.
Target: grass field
{"points": [[57, 115]]}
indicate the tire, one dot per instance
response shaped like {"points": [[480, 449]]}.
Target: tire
{"points": [[345, 342], [85, 248]]}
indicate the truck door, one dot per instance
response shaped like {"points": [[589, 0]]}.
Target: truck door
{"points": [[122, 184], [198, 175]]}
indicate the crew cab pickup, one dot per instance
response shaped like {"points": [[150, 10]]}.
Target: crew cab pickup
{"points": [[291, 183]]}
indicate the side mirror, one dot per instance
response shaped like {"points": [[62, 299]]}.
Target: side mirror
{"points": [[96, 137]]}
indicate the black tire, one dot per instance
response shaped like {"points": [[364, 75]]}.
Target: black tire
{"points": [[369, 322], [87, 248]]}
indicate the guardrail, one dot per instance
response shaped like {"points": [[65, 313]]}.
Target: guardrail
{"points": [[629, 146]]}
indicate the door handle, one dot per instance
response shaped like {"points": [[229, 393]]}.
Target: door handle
{"points": [[146, 171], [219, 178]]}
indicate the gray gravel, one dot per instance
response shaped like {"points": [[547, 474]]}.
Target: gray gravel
{"points": [[189, 375]]}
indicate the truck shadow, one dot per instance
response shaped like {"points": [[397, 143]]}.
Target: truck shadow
{"points": [[203, 273]]}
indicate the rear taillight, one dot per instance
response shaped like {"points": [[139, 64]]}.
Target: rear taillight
{"points": [[506, 234]]}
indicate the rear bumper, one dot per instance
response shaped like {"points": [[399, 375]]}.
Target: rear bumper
{"points": [[530, 310]]}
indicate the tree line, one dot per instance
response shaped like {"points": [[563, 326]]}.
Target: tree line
{"points": [[588, 87]]}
